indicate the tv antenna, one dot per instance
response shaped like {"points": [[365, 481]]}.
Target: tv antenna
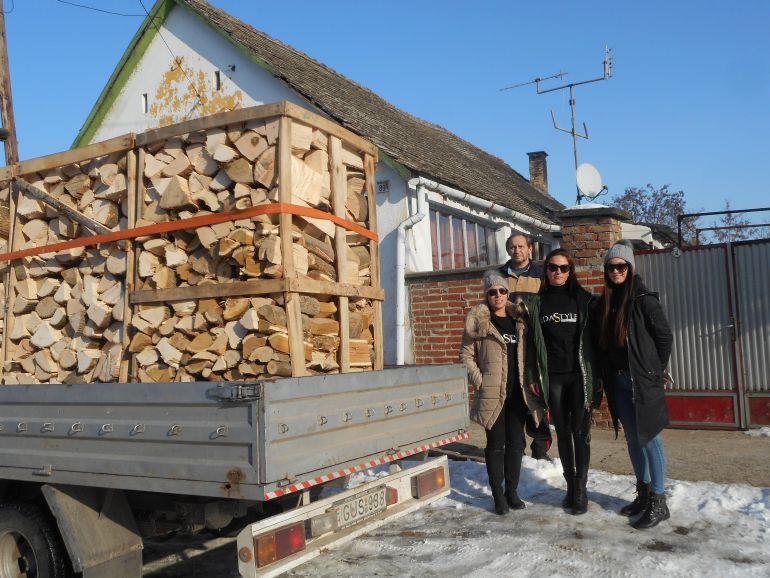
{"points": [[573, 131]]}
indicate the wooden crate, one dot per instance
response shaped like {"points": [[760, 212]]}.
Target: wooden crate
{"points": [[250, 252]]}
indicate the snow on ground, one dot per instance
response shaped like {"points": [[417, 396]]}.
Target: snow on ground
{"points": [[763, 432], [715, 530]]}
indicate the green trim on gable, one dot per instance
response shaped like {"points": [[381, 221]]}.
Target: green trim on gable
{"points": [[402, 170], [128, 63]]}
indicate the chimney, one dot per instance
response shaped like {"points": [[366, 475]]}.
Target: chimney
{"points": [[538, 170]]}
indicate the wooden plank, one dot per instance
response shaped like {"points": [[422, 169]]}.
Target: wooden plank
{"points": [[258, 287], [9, 282], [291, 299], [8, 172], [339, 189], [134, 168], [212, 121], [210, 290], [119, 143], [40, 195], [329, 127], [370, 170]]}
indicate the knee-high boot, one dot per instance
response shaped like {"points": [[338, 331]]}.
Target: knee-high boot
{"points": [[580, 503], [512, 473], [495, 470], [569, 499]]}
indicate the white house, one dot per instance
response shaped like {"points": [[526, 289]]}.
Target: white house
{"points": [[442, 202]]}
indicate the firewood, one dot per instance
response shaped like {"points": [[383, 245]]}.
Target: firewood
{"points": [[240, 171], [235, 333], [176, 195], [224, 153], [264, 168], [279, 368], [251, 145], [180, 166], [170, 354], [319, 247], [323, 326], [235, 308]]}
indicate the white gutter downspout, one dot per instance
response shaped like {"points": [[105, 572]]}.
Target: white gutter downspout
{"points": [[422, 210], [420, 184]]}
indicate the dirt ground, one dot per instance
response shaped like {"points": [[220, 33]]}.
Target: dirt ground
{"points": [[727, 457]]}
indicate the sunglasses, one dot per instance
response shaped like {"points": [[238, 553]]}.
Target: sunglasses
{"points": [[553, 267], [619, 267], [501, 291]]}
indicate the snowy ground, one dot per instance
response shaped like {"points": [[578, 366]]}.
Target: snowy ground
{"points": [[715, 530], [763, 432]]}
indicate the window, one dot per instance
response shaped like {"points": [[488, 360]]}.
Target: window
{"points": [[459, 241]]}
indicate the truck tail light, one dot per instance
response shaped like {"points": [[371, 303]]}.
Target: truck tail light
{"points": [[279, 544], [391, 495], [428, 482]]}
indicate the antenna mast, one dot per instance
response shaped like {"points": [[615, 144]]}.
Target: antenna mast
{"points": [[575, 134]]}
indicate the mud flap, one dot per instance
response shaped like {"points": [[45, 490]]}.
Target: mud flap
{"points": [[98, 530]]}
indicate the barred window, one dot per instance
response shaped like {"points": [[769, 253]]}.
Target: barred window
{"points": [[459, 241]]}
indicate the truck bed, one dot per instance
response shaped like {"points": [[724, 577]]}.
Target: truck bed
{"points": [[246, 440]]}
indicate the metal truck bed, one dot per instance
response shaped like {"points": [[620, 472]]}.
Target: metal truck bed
{"points": [[246, 440]]}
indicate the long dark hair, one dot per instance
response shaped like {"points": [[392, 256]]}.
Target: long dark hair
{"points": [[624, 292], [572, 284]]}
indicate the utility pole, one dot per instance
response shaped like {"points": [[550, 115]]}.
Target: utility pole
{"points": [[6, 101]]}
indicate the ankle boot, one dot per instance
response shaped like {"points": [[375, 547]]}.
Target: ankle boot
{"points": [[569, 499], [580, 502], [639, 504], [495, 467], [656, 512], [512, 473]]}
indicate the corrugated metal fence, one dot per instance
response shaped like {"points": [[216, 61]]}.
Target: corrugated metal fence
{"points": [[717, 299]]}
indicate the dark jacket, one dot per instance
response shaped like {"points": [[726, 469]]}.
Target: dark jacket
{"points": [[486, 356], [538, 372], [528, 283], [649, 344]]}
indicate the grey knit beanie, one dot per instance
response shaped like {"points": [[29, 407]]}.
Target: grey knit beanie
{"points": [[492, 278], [624, 250]]}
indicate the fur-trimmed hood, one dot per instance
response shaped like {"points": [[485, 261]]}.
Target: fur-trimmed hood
{"points": [[478, 321]]}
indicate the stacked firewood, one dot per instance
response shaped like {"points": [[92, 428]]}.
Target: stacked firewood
{"points": [[66, 310], [70, 320], [242, 337]]}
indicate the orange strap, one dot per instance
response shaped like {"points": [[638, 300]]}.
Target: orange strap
{"points": [[192, 223]]}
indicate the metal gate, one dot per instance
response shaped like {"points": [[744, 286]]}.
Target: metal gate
{"points": [[717, 299]]}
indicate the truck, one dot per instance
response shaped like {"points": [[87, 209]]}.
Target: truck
{"points": [[192, 340], [87, 471]]}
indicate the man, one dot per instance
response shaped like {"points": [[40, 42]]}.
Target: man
{"points": [[524, 278]]}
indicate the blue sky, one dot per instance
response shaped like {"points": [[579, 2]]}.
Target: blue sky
{"points": [[687, 105]]}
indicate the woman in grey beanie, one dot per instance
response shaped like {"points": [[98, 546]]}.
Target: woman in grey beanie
{"points": [[635, 340], [493, 350]]}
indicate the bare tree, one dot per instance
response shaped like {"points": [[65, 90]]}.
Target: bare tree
{"points": [[737, 228], [661, 206]]}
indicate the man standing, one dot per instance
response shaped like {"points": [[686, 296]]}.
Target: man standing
{"points": [[524, 278]]}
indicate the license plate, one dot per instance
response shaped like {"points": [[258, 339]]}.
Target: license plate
{"points": [[360, 507]]}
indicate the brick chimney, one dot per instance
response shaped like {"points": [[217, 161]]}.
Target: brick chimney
{"points": [[538, 170]]}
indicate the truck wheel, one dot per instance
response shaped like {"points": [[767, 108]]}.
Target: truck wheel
{"points": [[29, 544]]}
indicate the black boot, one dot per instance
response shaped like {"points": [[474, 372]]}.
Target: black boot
{"points": [[580, 502], [569, 499], [495, 467], [512, 472], [639, 504], [656, 512]]}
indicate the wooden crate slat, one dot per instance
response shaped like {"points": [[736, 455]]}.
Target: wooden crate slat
{"points": [[339, 196], [370, 167]]}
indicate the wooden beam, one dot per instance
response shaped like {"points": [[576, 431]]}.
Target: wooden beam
{"points": [[39, 194], [212, 121], [134, 169], [293, 307], [339, 189], [119, 143], [370, 171]]}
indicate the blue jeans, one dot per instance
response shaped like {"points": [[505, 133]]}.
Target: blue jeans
{"points": [[648, 461]]}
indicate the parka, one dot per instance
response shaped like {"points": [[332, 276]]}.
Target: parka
{"points": [[649, 341], [537, 372], [486, 356]]}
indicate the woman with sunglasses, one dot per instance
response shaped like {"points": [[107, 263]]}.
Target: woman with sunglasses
{"points": [[635, 341], [493, 351], [563, 368]]}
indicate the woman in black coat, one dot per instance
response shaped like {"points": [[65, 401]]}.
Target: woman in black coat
{"points": [[635, 341]]}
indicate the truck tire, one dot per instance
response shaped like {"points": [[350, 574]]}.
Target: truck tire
{"points": [[30, 546]]}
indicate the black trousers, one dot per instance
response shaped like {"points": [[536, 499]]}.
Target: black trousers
{"points": [[508, 430], [540, 434], [572, 421]]}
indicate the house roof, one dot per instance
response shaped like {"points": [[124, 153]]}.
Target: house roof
{"points": [[422, 147]]}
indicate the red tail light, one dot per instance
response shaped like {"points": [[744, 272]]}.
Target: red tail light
{"points": [[279, 544], [428, 482]]}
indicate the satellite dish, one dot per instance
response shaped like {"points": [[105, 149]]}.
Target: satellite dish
{"points": [[589, 181]]}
